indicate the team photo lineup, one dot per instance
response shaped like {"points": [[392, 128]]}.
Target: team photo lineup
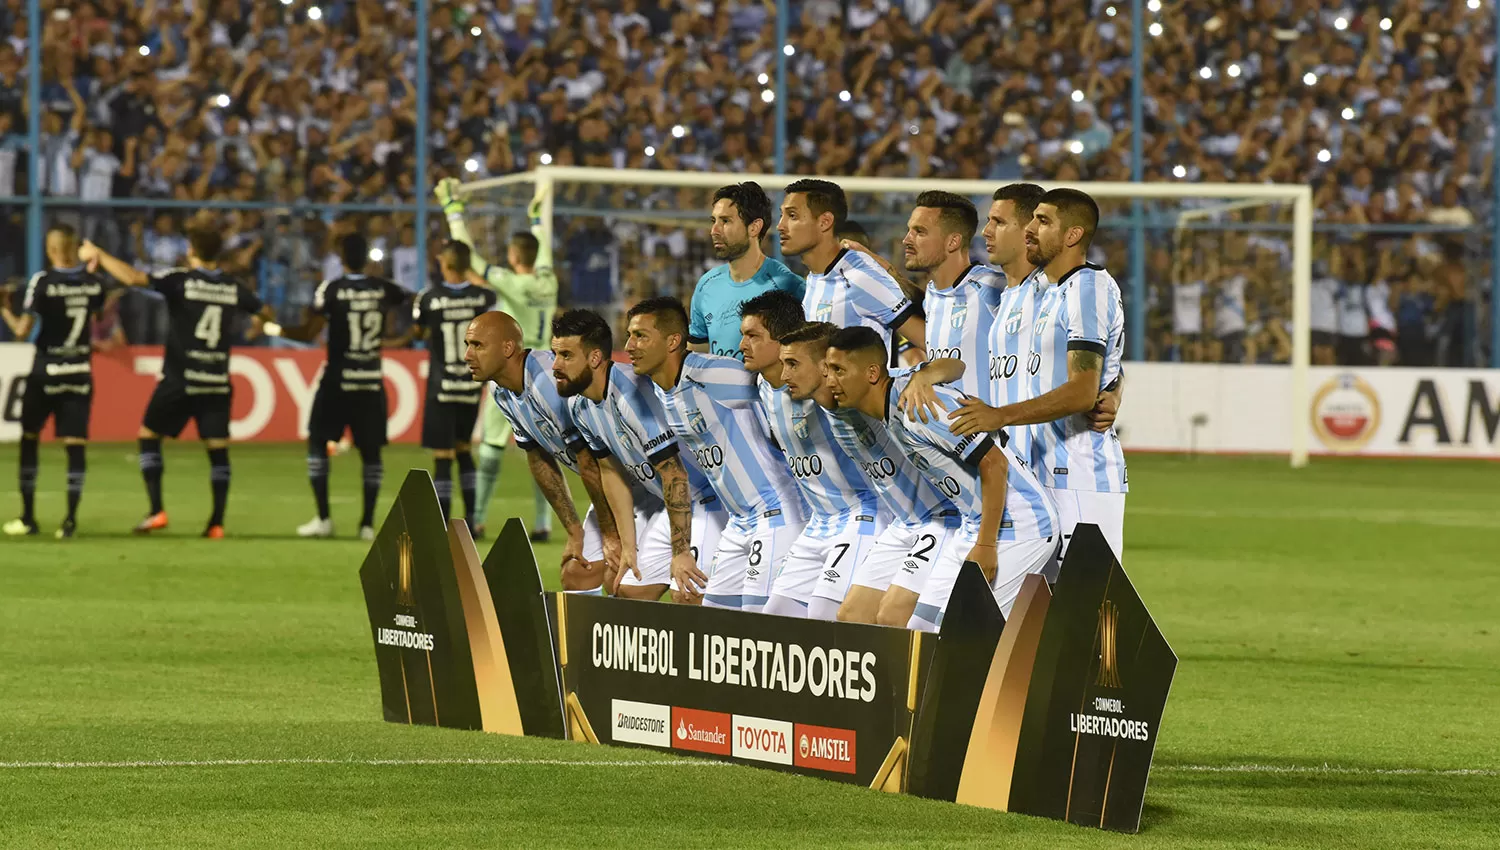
{"points": [[836, 447]]}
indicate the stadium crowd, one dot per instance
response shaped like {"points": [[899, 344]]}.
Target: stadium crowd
{"points": [[1382, 106]]}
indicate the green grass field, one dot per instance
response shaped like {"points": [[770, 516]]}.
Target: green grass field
{"points": [[1338, 681]]}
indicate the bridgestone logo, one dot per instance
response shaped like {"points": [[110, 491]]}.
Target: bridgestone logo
{"points": [[639, 724]]}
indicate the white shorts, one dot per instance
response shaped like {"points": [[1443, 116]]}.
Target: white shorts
{"points": [[902, 556], [822, 563], [708, 525], [748, 555], [653, 546], [1106, 510], [1014, 559]]}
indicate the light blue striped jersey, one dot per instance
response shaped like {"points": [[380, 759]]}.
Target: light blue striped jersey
{"points": [[1012, 362], [714, 315], [537, 414], [958, 324], [905, 494], [1082, 311], [630, 425], [857, 291], [712, 411], [834, 491], [951, 463]]}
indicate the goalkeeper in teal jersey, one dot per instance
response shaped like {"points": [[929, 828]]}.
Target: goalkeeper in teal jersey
{"points": [[527, 290]]}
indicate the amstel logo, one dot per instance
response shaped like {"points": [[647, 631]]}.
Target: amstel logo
{"points": [[1345, 413]]}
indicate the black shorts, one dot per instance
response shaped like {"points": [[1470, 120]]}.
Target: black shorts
{"points": [[68, 408], [445, 423], [171, 407], [1324, 338], [363, 412]]}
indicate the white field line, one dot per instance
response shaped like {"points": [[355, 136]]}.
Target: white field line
{"points": [[1436, 518], [1165, 768]]}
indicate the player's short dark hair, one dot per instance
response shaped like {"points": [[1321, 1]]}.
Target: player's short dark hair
{"points": [[853, 231], [354, 251], [458, 252], [588, 326], [822, 196], [528, 247], [955, 212], [206, 244], [668, 312], [1023, 196], [67, 230], [1075, 209], [858, 339], [780, 312], [814, 335], [750, 201]]}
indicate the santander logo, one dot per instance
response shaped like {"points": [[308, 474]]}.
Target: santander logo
{"points": [[703, 731]]}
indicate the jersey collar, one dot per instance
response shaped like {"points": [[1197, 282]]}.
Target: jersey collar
{"points": [[1075, 270]]}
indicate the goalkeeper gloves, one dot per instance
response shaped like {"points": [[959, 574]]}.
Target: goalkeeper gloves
{"points": [[447, 195]]}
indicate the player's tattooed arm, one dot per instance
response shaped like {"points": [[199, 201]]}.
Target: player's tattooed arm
{"points": [[679, 502], [1077, 395], [1102, 416], [593, 483], [549, 479]]}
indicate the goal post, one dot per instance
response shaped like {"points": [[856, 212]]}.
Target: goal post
{"points": [[548, 180]]}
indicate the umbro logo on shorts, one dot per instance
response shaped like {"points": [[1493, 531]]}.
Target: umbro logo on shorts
{"points": [[831, 575]]}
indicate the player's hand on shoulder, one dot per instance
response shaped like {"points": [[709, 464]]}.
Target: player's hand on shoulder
{"points": [[919, 400]]}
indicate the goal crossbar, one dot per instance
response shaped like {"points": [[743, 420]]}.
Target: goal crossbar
{"points": [[1298, 195]]}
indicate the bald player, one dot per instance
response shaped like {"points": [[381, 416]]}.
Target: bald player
{"points": [[527, 393]]}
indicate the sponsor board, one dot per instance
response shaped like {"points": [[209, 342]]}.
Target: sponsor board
{"points": [[640, 723], [273, 391], [762, 740], [703, 731], [823, 748]]}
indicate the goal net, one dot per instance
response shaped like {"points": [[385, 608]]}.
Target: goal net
{"points": [[1211, 272]]}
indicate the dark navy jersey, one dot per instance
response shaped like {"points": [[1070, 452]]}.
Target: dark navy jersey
{"points": [[444, 312], [201, 304], [64, 302], [355, 307]]}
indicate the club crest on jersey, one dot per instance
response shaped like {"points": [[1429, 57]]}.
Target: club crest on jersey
{"points": [[918, 461], [799, 427], [1013, 322], [624, 433], [823, 313], [1041, 322], [865, 436], [960, 315], [696, 421]]}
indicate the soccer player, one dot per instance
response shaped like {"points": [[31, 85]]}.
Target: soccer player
{"points": [[709, 402], [1008, 527], [351, 392], [528, 292], [650, 490], [844, 287], [741, 216], [441, 315], [1077, 344], [842, 510], [195, 370], [526, 391], [60, 305]]}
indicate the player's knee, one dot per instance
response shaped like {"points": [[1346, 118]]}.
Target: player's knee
{"points": [[213, 445], [853, 611], [462, 448], [895, 612], [67, 441], [443, 454], [576, 576]]}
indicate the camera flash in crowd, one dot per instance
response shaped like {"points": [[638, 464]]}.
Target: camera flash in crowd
{"points": [[1309, 79], [1341, 23], [844, 96], [1206, 72], [314, 14], [1179, 171], [376, 255], [1385, 24], [545, 159], [476, 31], [1075, 147], [1324, 155], [763, 78], [678, 131], [1110, 10], [767, 96], [471, 165], [1153, 6], [1348, 113], [650, 150], [1077, 95], [789, 50], [286, 2], [144, 50], [1473, 4], [1233, 70], [1154, 29]]}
